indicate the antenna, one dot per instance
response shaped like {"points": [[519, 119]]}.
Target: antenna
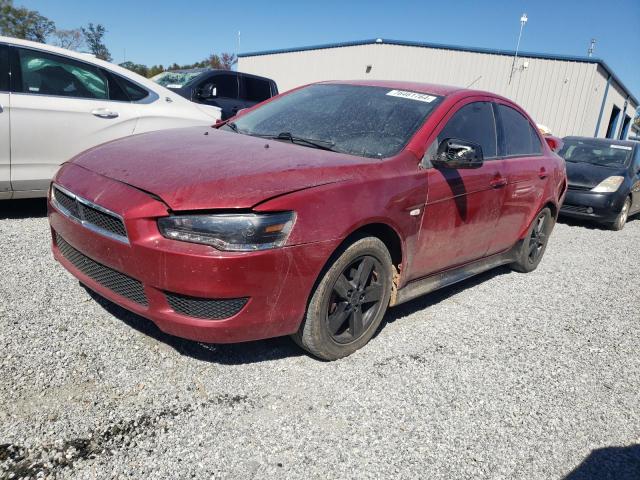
{"points": [[592, 47], [523, 21]]}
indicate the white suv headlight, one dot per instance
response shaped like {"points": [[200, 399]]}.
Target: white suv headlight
{"points": [[242, 232], [608, 185]]}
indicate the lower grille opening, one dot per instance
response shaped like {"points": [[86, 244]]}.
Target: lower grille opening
{"points": [[113, 280], [574, 208], [206, 308]]}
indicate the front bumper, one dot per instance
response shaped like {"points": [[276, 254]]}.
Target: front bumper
{"points": [[266, 291], [600, 207]]}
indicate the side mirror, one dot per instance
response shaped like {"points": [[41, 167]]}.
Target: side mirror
{"points": [[457, 153], [207, 91]]}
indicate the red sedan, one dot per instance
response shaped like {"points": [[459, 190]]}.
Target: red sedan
{"points": [[310, 214]]}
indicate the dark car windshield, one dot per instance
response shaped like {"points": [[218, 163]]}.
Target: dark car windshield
{"points": [[175, 79], [596, 152], [360, 120]]}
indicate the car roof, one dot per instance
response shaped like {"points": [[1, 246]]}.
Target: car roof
{"points": [[608, 141], [89, 58], [429, 88]]}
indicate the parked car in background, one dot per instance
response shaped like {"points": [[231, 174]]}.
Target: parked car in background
{"points": [[310, 214], [229, 90], [604, 179], [55, 103]]}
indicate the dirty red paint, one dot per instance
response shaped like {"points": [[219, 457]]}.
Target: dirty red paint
{"points": [[464, 215]]}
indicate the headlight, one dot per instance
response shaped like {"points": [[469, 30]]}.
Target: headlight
{"points": [[231, 232], [608, 185]]}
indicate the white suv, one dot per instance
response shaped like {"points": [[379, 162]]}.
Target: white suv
{"points": [[55, 103]]}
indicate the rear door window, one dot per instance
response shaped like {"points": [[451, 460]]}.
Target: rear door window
{"points": [[4, 68], [226, 85], [520, 137], [46, 74], [124, 90], [256, 89], [474, 123]]}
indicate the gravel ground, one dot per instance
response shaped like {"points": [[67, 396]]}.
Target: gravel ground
{"points": [[503, 376]]}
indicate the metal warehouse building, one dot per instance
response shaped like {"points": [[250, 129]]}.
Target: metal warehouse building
{"points": [[570, 95]]}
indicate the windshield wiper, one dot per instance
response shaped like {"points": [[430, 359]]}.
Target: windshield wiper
{"points": [[232, 126], [320, 144]]}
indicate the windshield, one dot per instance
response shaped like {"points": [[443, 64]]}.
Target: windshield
{"points": [[174, 79], [360, 120], [600, 153]]}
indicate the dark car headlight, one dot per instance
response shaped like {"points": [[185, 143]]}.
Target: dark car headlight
{"points": [[243, 232]]}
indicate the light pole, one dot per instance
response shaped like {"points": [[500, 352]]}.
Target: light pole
{"points": [[523, 20]]}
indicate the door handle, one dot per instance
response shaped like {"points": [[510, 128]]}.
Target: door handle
{"points": [[498, 182], [542, 173], [104, 113]]}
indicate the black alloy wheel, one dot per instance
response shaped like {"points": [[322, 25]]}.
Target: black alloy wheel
{"points": [[535, 242], [538, 238], [349, 300], [355, 299]]}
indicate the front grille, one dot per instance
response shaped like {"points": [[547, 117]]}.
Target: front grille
{"points": [[206, 308], [102, 220], [87, 214], [574, 208], [67, 202], [118, 282]]}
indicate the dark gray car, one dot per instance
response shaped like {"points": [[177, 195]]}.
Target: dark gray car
{"points": [[604, 179], [229, 90]]}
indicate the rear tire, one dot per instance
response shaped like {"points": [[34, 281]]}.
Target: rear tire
{"points": [[535, 243], [349, 302], [621, 219]]}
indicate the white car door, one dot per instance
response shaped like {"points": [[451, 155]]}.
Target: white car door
{"points": [[61, 106], [5, 150]]}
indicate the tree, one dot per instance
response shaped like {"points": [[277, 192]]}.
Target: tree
{"points": [[154, 70], [136, 67], [224, 61], [70, 39], [228, 60], [93, 37], [24, 23]]}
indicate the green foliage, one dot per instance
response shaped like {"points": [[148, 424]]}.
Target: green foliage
{"points": [[70, 39], [136, 67], [20, 22], [93, 37]]}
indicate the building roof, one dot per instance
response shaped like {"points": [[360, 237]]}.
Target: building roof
{"points": [[510, 53]]}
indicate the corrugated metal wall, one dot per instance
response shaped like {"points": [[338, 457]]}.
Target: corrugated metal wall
{"points": [[565, 96]]}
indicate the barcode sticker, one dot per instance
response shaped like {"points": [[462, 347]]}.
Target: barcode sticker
{"points": [[621, 147], [420, 97]]}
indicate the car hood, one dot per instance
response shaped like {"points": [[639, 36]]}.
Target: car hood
{"points": [[203, 168], [586, 175]]}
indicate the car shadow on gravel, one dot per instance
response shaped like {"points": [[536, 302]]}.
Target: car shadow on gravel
{"points": [[226, 354], [273, 348], [431, 299], [577, 222], [620, 463], [27, 208]]}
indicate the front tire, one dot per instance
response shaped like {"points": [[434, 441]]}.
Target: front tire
{"points": [[535, 243], [621, 219], [349, 302]]}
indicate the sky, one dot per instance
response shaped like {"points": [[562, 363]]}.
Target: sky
{"points": [[167, 31]]}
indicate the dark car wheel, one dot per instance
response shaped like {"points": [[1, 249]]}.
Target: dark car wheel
{"points": [[621, 219], [349, 302], [535, 243]]}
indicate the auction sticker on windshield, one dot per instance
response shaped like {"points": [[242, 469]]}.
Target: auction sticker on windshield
{"points": [[420, 97], [621, 147]]}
